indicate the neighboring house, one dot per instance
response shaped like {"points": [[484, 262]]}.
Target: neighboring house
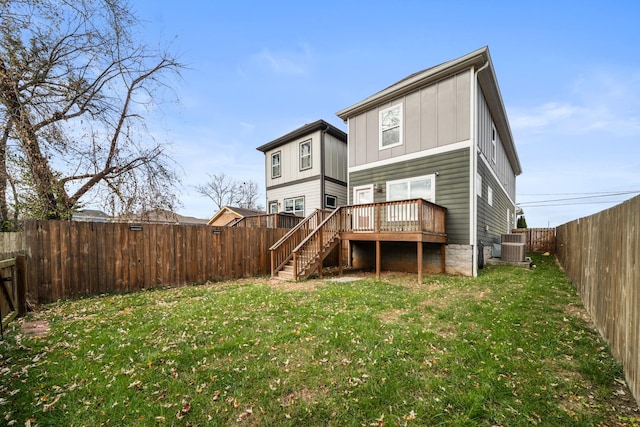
{"points": [[306, 169], [91, 215], [440, 134], [160, 216], [230, 214]]}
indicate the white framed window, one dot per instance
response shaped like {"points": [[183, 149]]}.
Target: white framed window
{"points": [[391, 127], [421, 187], [494, 143], [330, 201], [479, 185], [273, 207], [490, 196], [294, 205], [305, 155], [276, 168]]}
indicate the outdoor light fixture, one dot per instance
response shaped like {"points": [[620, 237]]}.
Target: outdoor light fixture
{"points": [[135, 227], [217, 231], [377, 188]]}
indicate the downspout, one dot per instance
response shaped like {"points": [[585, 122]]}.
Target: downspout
{"points": [[474, 173], [322, 171]]}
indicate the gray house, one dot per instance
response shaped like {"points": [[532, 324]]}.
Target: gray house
{"points": [[442, 135], [306, 169]]}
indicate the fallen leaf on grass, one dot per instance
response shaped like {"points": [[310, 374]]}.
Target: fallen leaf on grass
{"points": [[135, 384], [186, 407], [245, 414]]}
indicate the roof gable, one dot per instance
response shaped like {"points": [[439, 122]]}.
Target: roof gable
{"points": [[302, 131]]}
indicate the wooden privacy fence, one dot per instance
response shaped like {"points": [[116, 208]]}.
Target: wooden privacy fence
{"points": [[601, 255], [539, 240], [11, 289], [72, 259]]}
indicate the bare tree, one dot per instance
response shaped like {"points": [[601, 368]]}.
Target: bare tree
{"points": [[226, 191], [75, 89]]}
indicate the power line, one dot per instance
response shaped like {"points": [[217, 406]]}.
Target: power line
{"points": [[593, 196], [574, 203]]}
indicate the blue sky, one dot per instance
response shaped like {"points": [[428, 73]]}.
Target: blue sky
{"points": [[569, 74]]}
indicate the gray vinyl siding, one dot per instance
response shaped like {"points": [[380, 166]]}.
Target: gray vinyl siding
{"points": [[494, 216], [433, 116], [502, 167], [335, 158], [452, 186]]}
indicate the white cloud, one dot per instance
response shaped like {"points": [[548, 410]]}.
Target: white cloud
{"points": [[286, 62]]}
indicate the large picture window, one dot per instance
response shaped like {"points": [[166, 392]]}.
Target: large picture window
{"points": [[422, 187], [294, 205], [391, 126], [305, 155], [276, 168]]}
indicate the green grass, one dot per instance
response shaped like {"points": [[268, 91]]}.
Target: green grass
{"points": [[510, 347]]}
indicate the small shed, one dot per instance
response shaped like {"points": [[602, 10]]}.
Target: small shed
{"points": [[230, 214]]}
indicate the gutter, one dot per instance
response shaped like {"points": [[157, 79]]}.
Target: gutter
{"points": [[474, 173], [322, 170]]}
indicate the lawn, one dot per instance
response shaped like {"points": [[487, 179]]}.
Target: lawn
{"points": [[511, 347]]}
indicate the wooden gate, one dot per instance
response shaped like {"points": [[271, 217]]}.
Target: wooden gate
{"points": [[11, 290]]}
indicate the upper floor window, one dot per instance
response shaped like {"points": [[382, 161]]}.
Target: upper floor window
{"points": [[305, 155], [494, 144], [479, 185], [276, 168], [490, 196], [391, 126]]}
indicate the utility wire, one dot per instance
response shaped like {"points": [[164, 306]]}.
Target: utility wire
{"points": [[566, 199]]}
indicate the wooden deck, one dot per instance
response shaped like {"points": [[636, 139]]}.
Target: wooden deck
{"points": [[302, 251]]}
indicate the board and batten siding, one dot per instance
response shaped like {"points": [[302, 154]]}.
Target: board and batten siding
{"points": [[433, 116], [452, 186], [335, 158], [290, 161], [495, 215], [502, 167]]}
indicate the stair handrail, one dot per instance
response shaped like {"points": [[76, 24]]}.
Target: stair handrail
{"points": [[318, 230], [292, 234]]}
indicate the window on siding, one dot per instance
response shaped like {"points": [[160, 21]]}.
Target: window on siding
{"points": [[305, 155], [276, 168], [490, 196], [273, 207], [391, 127], [294, 205], [494, 144], [422, 187], [479, 185], [330, 201]]}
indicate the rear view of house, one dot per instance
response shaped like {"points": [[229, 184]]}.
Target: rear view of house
{"points": [[306, 169], [441, 134]]}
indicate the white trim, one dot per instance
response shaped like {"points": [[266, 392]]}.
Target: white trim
{"points": [[361, 187], [412, 156], [400, 126]]}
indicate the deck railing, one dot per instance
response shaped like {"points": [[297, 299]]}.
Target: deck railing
{"points": [[278, 220], [311, 249], [282, 250], [416, 215]]}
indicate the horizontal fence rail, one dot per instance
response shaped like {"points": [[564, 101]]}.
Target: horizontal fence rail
{"points": [[67, 259], [601, 256]]}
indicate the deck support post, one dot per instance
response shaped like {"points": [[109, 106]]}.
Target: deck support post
{"points": [[443, 258], [340, 257], [378, 259], [420, 263]]}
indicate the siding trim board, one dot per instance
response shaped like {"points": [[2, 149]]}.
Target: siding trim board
{"points": [[309, 179], [412, 156]]}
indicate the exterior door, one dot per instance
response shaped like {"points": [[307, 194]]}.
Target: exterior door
{"points": [[363, 216]]}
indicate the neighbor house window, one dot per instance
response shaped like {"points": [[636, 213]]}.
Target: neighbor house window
{"points": [[294, 205], [330, 201], [391, 127], [494, 144], [422, 187], [305, 155], [490, 196], [276, 168], [273, 207]]}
